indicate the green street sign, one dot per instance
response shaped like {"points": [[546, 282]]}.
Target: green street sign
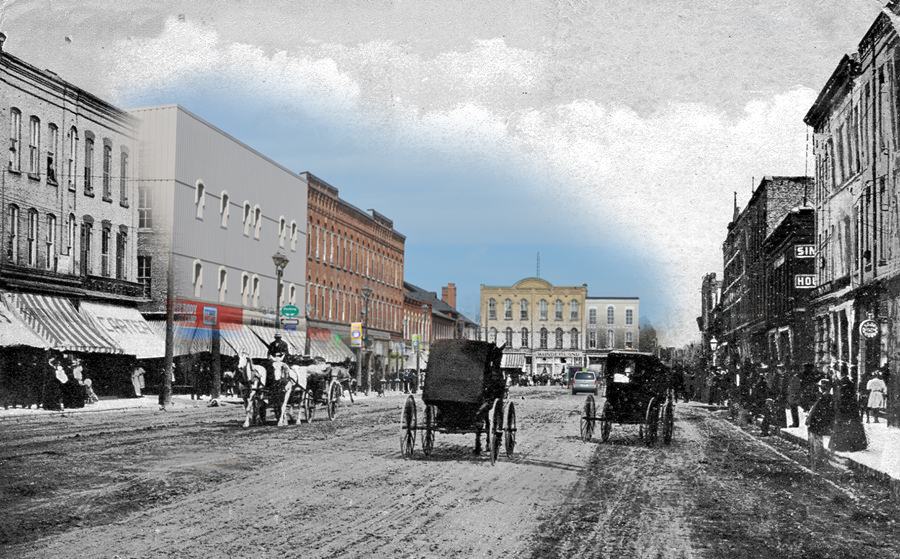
{"points": [[289, 310]]}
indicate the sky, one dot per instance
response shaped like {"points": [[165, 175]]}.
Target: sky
{"points": [[605, 141]]}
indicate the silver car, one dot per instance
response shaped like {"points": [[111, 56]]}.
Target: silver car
{"points": [[584, 382]]}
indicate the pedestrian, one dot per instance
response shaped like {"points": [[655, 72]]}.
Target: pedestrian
{"points": [[819, 423], [137, 380], [877, 396], [849, 434], [794, 389], [90, 397]]}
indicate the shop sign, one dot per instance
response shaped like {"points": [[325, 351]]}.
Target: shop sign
{"points": [[804, 251], [805, 281], [868, 328]]}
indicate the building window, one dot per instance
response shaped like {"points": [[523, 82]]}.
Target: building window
{"points": [[507, 309], [610, 339], [50, 255], [508, 337], [34, 148], [292, 297], [559, 338], [107, 171], [573, 339], [523, 310], [32, 237], [15, 140], [197, 279], [88, 165], [71, 166], [610, 315], [123, 177], [492, 309], [143, 273], [13, 250], [121, 246], [52, 140], [493, 335], [245, 288], [629, 339], [70, 236], [199, 199], [294, 236], [592, 316], [282, 231], [524, 342], [223, 209], [145, 207], [87, 239], [247, 218], [573, 310], [592, 339], [255, 290], [557, 307], [104, 251], [543, 310], [223, 283], [257, 221], [543, 338]]}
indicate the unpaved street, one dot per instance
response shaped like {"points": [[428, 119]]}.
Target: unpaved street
{"points": [[191, 482]]}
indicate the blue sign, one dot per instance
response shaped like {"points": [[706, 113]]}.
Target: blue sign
{"points": [[210, 315]]}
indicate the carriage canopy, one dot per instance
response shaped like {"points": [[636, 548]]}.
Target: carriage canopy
{"points": [[463, 371]]}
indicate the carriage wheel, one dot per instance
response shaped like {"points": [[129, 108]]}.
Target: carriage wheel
{"points": [[668, 425], [587, 419], [408, 427], [308, 405], [430, 427], [606, 421], [510, 442], [495, 430], [334, 395], [651, 423]]}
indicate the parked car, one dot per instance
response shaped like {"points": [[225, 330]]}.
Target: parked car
{"points": [[584, 381]]}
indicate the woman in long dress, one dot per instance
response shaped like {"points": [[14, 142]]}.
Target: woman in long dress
{"points": [[877, 401], [849, 433]]}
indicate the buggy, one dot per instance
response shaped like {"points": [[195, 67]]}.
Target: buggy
{"points": [[463, 393], [635, 388]]}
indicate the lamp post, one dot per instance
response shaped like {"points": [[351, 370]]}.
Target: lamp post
{"points": [[422, 337], [280, 261], [367, 292], [713, 344]]}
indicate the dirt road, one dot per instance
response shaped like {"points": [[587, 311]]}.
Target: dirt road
{"points": [[194, 484]]}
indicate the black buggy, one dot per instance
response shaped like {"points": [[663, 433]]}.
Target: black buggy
{"points": [[635, 388], [464, 392]]}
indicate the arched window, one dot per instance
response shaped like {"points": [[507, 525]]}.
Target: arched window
{"points": [[492, 309], [507, 309], [543, 310], [293, 236], [34, 147], [245, 288], [223, 283], [197, 279], [523, 310], [508, 336], [524, 342], [592, 316], [282, 231], [255, 290], [71, 169], [52, 140], [557, 307], [257, 221], [610, 339], [573, 310], [200, 199], [223, 208], [629, 339], [543, 338], [32, 237], [610, 315], [107, 169], [573, 338], [592, 340], [292, 294], [559, 338], [15, 140], [50, 255], [248, 218]]}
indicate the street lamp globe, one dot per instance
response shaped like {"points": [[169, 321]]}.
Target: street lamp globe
{"points": [[366, 291], [280, 260]]}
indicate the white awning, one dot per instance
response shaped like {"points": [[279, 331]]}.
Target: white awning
{"points": [[14, 332], [512, 361], [128, 328], [58, 322], [185, 339], [240, 338]]}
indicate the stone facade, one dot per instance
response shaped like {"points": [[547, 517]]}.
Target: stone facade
{"points": [[612, 323]]}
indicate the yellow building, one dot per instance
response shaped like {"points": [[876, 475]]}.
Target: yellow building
{"points": [[539, 325]]}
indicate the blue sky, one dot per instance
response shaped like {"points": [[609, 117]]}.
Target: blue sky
{"points": [[608, 136]]}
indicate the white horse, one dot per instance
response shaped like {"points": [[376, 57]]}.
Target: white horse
{"points": [[293, 378], [253, 377]]}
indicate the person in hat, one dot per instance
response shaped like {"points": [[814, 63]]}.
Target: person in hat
{"points": [[819, 423], [278, 349], [877, 396]]}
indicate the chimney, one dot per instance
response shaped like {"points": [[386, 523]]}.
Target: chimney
{"points": [[448, 294]]}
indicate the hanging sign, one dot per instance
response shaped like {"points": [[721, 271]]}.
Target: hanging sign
{"points": [[868, 328]]}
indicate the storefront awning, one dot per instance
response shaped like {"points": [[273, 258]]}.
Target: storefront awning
{"points": [[59, 323], [333, 351], [128, 328], [512, 361], [14, 332], [185, 339], [240, 338]]}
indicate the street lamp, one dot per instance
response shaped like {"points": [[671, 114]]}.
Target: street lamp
{"points": [[280, 261], [422, 337], [367, 292], [713, 344]]}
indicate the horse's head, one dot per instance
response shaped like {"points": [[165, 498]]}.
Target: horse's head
{"points": [[243, 359]]}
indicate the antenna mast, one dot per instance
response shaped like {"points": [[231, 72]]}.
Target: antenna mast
{"points": [[539, 265]]}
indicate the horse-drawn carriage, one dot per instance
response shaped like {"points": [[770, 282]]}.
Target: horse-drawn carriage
{"points": [[288, 386], [635, 388], [464, 393]]}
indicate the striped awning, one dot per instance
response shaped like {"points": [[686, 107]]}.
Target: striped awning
{"points": [[297, 340], [240, 338], [330, 350], [512, 361], [13, 331], [185, 339], [59, 323], [128, 328]]}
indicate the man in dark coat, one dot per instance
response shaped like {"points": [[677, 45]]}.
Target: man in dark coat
{"points": [[819, 423]]}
